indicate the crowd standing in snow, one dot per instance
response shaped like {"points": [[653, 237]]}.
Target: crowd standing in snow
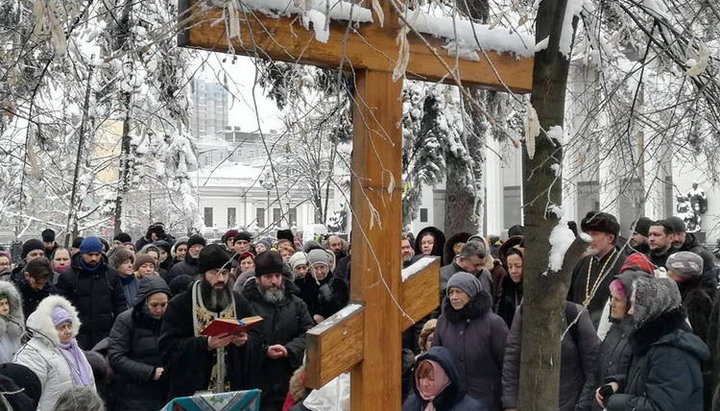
{"points": [[116, 324]]}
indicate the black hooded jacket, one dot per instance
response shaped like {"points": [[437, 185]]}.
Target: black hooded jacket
{"points": [[325, 298], [438, 246], [97, 295], [710, 271], [477, 338], [189, 266], [134, 353], [453, 397]]}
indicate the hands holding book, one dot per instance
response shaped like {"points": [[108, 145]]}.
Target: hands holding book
{"points": [[223, 340]]}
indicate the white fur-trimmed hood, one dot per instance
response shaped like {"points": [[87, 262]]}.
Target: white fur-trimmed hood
{"points": [[16, 310], [41, 319]]}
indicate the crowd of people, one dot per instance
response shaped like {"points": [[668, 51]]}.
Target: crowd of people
{"points": [[118, 324]]}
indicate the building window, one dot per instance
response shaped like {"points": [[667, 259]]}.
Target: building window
{"points": [[208, 216], [277, 215], [512, 205], [423, 215], [260, 216], [292, 216], [231, 217]]}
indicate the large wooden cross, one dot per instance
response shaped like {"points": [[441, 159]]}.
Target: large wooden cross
{"points": [[365, 337]]}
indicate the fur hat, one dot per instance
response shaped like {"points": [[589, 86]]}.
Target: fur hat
{"points": [[467, 282], [195, 240], [427, 329], [602, 222], [286, 234], [142, 259], [685, 264], [48, 235], [31, 245], [123, 238], [642, 226], [118, 255], [299, 258], [212, 257], [654, 297], [269, 262]]}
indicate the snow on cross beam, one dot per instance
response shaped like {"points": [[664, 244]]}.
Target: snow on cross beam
{"points": [[284, 36]]}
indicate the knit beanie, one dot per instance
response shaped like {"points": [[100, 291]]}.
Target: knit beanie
{"points": [[48, 235], [311, 245], [642, 226], [195, 240], [317, 256], [141, 259], [228, 235], [467, 282], [243, 235], [685, 264], [60, 316], [299, 258], [123, 238], [675, 224], [602, 222], [654, 297], [269, 262], [212, 257], [637, 262], [91, 244], [30, 245], [267, 242]]}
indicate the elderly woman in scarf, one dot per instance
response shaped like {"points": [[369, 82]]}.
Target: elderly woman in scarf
{"points": [[437, 385], [53, 353]]}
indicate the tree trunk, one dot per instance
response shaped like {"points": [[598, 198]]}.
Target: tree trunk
{"points": [[544, 292], [464, 189], [122, 33]]}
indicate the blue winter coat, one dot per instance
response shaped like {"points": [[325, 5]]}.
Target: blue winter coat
{"points": [[453, 397]]}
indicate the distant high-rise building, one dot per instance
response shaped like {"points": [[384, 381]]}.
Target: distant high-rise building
{"points": [[210, 108]]}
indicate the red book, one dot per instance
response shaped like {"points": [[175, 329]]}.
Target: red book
{"points": [[230, 326]]}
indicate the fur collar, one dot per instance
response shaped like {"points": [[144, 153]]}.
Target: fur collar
{"points": [[16, 318], [41, 320], [658, 327], [476, 307]]}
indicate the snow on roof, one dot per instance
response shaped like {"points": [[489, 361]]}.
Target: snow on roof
{"points": [[232, 170], [467, 37], [417, 267]]}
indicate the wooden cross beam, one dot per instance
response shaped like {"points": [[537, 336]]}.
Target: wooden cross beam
{"points": [[365, 337]]}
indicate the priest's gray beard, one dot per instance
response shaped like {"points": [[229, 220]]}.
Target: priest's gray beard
{"points": [[219, 299], [272, 295]]}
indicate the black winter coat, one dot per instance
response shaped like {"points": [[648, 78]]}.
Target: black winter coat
{"points": [[98, 297], [476, 337], [509, 299], [187, 359], [614, 359], [30, 296], [580, 285], [578, 359], [325, 299], [134, 353], [665, 371], [453, 397], [284, 323], [698, 302], [188, 266]]}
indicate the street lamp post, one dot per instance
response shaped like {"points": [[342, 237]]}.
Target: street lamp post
{"points": [[268, 185]]}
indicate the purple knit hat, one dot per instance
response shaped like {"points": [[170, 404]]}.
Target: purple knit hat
{"points": [[60, 316]]}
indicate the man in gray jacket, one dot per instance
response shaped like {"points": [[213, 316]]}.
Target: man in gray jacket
{"points": [[471, 259]]}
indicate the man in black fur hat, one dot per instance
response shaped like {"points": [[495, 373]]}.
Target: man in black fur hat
{"points": [[197, 363], [594, 273]]}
